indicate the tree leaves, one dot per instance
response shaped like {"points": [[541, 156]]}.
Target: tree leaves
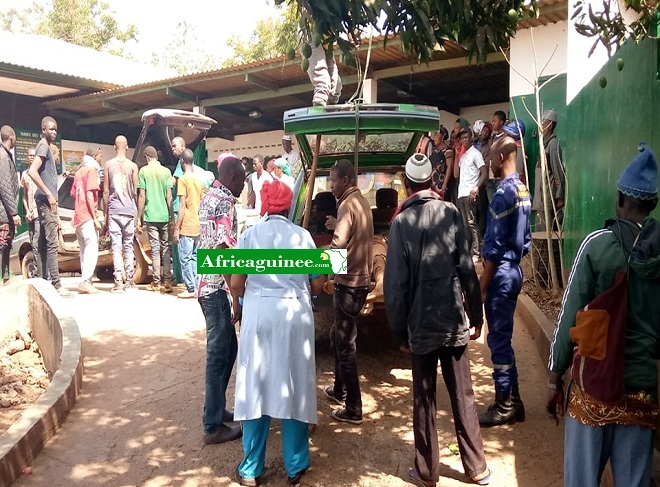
{"points": [[608, 25], [88, 23], [478, 25]]}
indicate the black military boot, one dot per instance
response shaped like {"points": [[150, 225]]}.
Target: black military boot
{"points": [[502, 412], [518, 404]]}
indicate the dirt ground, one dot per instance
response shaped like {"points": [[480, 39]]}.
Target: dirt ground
{"points": [[138, 419], [22, 377]]}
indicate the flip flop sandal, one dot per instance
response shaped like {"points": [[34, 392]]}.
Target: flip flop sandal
{"points": [[413, 477], [483, 480]]}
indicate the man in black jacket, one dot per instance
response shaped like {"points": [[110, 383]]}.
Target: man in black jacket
{"points": [[9, 218], [429, 271]]}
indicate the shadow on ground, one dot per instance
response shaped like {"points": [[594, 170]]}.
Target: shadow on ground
{"points": [[138, 420]]}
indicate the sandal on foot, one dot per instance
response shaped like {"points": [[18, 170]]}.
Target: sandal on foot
{"points": [[483, 478], [413, 476]]}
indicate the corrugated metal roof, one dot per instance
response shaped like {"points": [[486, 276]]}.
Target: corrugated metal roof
{"points": [[45, 54]]}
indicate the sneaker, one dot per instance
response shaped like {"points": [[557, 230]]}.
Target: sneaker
{"points": [[131, 286], [345, 417], [64, 292], [329, 392], [186, 295], [86, 287], [167, 287], [154, 286], [117, 288]]}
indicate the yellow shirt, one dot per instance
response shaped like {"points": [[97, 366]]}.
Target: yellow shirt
{"points": [[190, 187]]}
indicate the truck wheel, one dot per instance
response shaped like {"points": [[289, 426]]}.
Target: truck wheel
{"points": [[105, 273], [29, 265], [141, 267]]}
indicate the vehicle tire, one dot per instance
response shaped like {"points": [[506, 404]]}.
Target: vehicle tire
{"points": [[105, 273], [141, 267], [29, 265]]}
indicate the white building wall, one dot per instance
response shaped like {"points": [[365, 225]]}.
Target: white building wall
{"points": [[483, 112], [264, 143], [551, 45], [582, 67]]}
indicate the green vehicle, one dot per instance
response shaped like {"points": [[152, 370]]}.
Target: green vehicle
{"points": [[378, 139]]}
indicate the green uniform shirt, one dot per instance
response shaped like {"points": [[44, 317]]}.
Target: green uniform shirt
{"points": [[597, 261], [155, 180]]}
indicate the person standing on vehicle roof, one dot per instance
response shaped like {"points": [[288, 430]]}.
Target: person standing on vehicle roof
{"points": [[43, 172], [119, 200], [9, 218], [507, 241], [155, 210], [353, 231], [428, 277], [85, 193]]}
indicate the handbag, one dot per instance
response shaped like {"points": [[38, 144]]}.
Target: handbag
{"points": [[599, 336]]}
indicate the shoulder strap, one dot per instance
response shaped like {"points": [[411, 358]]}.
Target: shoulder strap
{"points": [[627, 235]]}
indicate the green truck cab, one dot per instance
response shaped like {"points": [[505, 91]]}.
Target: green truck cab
{"points": [[378, 139]]}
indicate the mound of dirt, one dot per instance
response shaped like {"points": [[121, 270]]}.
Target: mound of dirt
{"points": [[23, 377]]}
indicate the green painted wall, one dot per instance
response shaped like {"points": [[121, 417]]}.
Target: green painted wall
{"points": [[604, 127]]}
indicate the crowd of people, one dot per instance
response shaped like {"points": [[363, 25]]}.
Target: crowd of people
{"points": [[434, 300]]}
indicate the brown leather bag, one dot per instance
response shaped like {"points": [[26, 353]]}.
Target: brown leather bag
{"points": [[599, 333], [599, 336]]}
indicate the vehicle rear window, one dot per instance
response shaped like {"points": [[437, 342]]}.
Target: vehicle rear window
{"points": [[369, 183]]}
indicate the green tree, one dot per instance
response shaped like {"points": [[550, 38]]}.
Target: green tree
{"points": [[182, 53], [88, 23], [480, 26], [271, 37]]}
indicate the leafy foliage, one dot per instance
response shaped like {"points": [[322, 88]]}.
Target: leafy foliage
{"points": [[182, 53], [422, 25], [88, 23], [609, 26], [272, 37]]}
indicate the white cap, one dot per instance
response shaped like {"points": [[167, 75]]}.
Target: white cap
{"points": [[478, 126], [550, 115], [418, 168], [286, 137]]}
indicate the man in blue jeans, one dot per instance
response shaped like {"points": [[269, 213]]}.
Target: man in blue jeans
{"points": [[219, 229]]}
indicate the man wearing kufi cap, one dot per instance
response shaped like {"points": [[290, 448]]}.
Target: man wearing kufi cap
{"points": [[429, 270], [557, 174], [620, 430], [291, 155]]}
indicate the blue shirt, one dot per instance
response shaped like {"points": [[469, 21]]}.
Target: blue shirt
{"points": [[508, 235]]}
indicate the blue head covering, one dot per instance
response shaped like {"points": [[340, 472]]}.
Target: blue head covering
{"points": [[640, 179]]}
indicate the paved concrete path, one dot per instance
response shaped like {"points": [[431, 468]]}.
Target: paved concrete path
{"points": [[138, 419]]}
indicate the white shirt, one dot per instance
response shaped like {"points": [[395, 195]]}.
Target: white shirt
{"points": [[469, 166], [257, 184]]}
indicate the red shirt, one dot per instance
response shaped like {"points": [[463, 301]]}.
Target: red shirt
{"points": [[86, 179]]}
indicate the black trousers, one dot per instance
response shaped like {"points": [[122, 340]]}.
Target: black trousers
{"points": [[347, 302], [46, 251], [455, 364]]}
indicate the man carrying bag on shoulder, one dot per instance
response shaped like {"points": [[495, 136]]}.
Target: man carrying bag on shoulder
{"points": [[612, 403]]}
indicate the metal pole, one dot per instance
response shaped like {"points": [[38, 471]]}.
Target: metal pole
{"points": [[311, 181]]}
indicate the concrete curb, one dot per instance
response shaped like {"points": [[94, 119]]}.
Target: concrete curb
{"points": [[540, 327], [58, 337]]}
